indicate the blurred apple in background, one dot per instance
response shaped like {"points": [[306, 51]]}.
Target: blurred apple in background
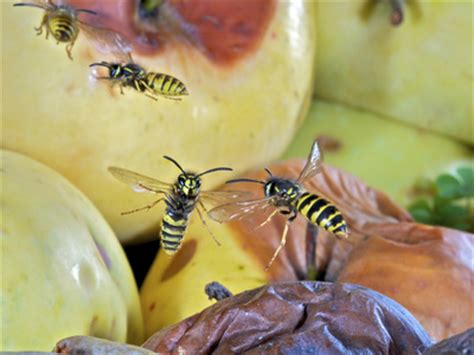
{"points": [[250, 83], [388, 155], [420, 72], [63, 270]]}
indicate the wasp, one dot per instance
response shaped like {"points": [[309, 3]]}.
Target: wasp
{"points": [[62, 22], [130, 74], [181, 199], [290, 198]]}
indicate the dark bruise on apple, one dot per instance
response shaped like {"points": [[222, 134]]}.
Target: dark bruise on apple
{"points": [[225, 31]]}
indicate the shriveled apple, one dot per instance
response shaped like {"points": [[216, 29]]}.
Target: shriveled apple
{"points": [[297, 318], [249, 81], [420, 72], [426, 269], [64, 272]]}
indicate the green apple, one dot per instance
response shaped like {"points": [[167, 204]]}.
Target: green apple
{"points": [[63, 270], [420, 72], [239, 113], [385, 154]]}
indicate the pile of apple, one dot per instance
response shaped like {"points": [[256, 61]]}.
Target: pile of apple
{"points": [[388, 104]]}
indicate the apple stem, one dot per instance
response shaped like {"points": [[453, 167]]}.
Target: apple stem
{"points": [[311, 242], [215, 290], [396, 18]]}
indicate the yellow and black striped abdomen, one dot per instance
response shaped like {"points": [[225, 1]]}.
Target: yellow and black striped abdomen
{"points": [[63, 28], [322, 213], [166, 85], [172, 231]]}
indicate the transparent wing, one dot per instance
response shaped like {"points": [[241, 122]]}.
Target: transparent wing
{"points": [[217, 198], [238, 210], [313, 164], [138, 182], [108, 42]]}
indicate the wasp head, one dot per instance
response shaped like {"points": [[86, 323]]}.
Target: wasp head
{"points": [[189, 185]]}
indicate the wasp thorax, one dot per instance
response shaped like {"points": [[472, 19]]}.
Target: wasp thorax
{"points": [[189, 184]]}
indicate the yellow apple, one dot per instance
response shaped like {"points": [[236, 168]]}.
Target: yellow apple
{"points": [[240, 112], [420, 72], [63, 270], [386, 154]]}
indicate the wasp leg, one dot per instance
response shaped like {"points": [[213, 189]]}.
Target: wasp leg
{"points": [[267, 220], [151, 96], [147, 207], [205, 224], [69, 49], [280, 247], [39, 29], [172, 98]]}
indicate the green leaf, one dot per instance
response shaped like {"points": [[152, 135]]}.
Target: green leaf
{"points": [[467, 175], [422, 216], [420, 204], [421, 211], [448, 186], [462, 226], [452, 212]]}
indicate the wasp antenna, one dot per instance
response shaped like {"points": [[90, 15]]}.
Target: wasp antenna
{"points": [[269, 172], [87, 11], [101, 64], [245, 180], [222, 168], [29, 4], [175, 163]]}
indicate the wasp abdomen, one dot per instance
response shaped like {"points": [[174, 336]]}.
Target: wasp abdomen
{"points": [[322, 213], [165, 84], [172, 231], [63, 28]]}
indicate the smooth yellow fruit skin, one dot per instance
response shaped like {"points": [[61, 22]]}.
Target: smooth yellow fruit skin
{"points": [[55, 282], [387, 155], [238, 117], [420, 72], [174, 286]]}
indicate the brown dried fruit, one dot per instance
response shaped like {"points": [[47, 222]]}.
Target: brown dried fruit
{"points": [[296, 318], [430, 273], [460, 344], [429, 270]]}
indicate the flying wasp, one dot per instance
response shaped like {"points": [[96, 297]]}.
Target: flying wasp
{"points": [[181, 199], [288, 197], [151, 84], [62, 22]]}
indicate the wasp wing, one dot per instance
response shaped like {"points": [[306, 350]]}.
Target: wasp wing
{"points": [[313, 164], [217, 198], [108, 42], [235, 211], [138, 182]]}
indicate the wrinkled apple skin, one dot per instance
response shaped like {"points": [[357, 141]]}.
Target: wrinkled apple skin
{"points": [[238, 116], [420, 72], [64, 272], [385, 154]]}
